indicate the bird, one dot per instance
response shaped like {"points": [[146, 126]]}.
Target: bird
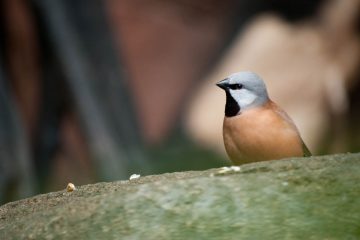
{"points": [[255, 128]]}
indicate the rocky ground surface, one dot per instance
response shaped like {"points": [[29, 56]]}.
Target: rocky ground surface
{"points": [[299, 198]]}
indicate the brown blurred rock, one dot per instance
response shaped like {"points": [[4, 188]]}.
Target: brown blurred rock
{"points": [[307, 66]]}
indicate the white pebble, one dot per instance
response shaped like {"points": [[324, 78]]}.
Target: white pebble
{"points": [[235, 168], [70, 187], [134, 176]]}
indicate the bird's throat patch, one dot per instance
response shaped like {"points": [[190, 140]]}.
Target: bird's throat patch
{"points": [[232, 108]]}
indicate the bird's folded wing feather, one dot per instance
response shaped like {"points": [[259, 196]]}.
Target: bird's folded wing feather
{"points": [[306, 151]]}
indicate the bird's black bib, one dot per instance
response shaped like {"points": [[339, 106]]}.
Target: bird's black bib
{"points": [[232, 108]]}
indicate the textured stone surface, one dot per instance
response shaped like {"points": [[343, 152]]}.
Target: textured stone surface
{"points": [[310, 198]]}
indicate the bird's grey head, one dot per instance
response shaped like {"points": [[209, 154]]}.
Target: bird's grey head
{"points": [[244, 90]]}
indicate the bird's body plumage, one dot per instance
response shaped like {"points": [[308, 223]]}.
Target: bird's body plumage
{"points": [[257, 132], [261, 133]]}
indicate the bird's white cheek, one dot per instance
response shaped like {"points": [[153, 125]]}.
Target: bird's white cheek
{"points": [[243, 97]]}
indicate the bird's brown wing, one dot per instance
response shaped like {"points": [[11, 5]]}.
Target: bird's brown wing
{"points": [[285, 116], [306, 151]]}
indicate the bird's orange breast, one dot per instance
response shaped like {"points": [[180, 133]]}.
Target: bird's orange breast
{"points": [[259, 134]]}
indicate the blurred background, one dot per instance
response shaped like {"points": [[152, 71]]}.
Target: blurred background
{"points": [[95, 90]]}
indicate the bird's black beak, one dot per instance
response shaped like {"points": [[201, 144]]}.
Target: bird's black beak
{"points": [[224, 84]]}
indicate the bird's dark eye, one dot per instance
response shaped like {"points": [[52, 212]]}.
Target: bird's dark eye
{"points": [[236, 86]]}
